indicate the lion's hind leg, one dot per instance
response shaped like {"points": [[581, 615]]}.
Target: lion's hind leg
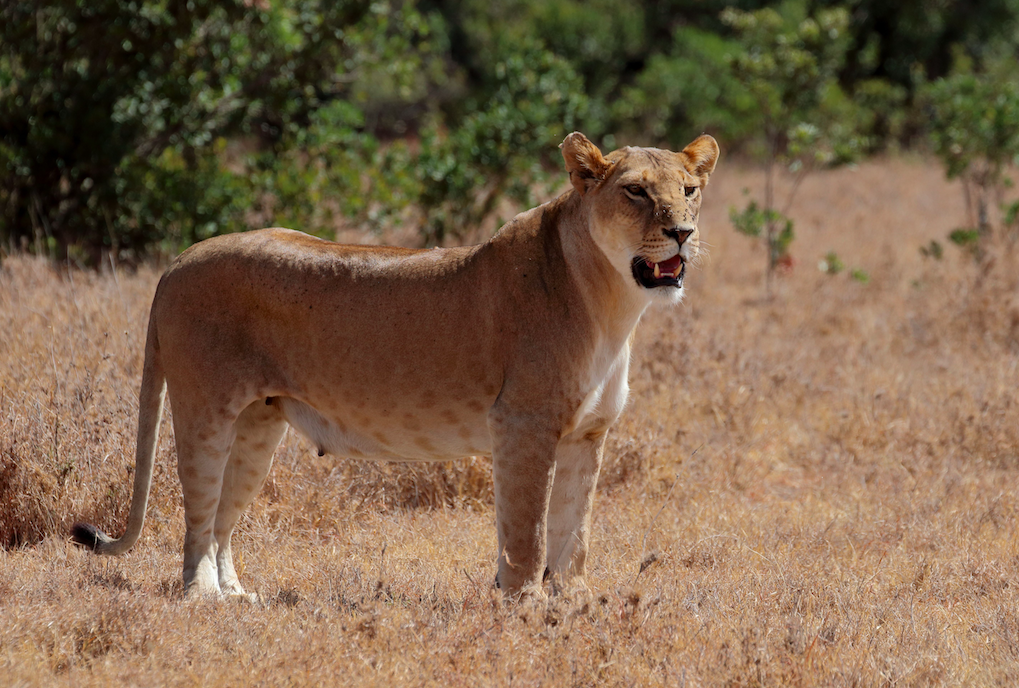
{"points": [[258, 431], [203, 437]]}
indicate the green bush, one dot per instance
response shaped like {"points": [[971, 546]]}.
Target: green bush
{"points": [[974, 130], [777, 229], [831, 264], [499, 148], [688, 88], [788, 65], [117, 115], [134, 125]]}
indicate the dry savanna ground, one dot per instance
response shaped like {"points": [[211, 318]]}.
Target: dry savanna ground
{"points": [[821, 488]]}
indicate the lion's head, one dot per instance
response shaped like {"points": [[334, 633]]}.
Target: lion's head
{"points": [[644, 204]]}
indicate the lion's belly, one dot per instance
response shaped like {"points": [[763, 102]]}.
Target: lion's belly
{"points": [[410, 434]]}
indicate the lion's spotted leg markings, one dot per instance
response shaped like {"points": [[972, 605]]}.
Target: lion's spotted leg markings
{"points": [[259, 429], [203, 449], [578, 461], [522, 468]]}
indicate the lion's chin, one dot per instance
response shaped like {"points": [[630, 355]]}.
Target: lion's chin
{"points": [[667, 273]]}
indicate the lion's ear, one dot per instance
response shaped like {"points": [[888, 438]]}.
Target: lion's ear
{"points": [[701, 156], [584, 162]]}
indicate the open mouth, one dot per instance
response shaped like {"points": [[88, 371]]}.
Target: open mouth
{"points": [[668, 273]]}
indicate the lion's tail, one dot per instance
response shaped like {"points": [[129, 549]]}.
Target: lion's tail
{"points": [[150, 413]]}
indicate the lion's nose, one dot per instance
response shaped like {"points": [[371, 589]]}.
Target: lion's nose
{"points": [[679, 234]]}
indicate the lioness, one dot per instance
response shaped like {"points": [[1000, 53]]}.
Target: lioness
{"points": [[518, 348]]}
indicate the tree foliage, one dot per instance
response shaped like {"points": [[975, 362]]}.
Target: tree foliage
{"points": [[788, 64], [974, 130], [133, 125], [499, 146], [118, 116]]}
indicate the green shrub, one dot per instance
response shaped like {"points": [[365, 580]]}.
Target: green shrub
{"points": [[974, 130], [859, 275], [498, 149], [788, 64], [831, 264], [690, 87], [118, 116], [137, 125]]}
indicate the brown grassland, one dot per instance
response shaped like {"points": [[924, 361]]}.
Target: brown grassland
{"points": [[821, 488]]}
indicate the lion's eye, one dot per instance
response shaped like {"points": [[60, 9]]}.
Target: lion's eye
{"points": [[635, 190], [690, 190]]}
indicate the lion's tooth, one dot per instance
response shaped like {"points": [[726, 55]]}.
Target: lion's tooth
{"points": [[658, 271]]}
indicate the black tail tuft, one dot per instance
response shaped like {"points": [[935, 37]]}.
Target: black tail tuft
{"points": [[88, 535]]}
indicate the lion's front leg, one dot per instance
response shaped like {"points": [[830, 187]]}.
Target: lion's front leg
{"points": [[522, 466], [578, 461]]}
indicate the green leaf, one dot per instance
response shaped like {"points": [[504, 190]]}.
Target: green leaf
{"points": [[859, 275], [964, 238]]}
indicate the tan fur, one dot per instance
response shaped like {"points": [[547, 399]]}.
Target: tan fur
{"points": [[518, 347]]}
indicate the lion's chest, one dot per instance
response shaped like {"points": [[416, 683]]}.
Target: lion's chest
{"points": [[604, 391]]}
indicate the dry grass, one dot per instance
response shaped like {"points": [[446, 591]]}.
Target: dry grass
{"points": [[820, 489]]}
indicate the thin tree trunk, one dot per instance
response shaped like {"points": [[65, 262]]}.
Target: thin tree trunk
{"points": [[769, 201]]}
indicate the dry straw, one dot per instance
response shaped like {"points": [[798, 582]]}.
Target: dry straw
{"points": [[850, 518]]}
